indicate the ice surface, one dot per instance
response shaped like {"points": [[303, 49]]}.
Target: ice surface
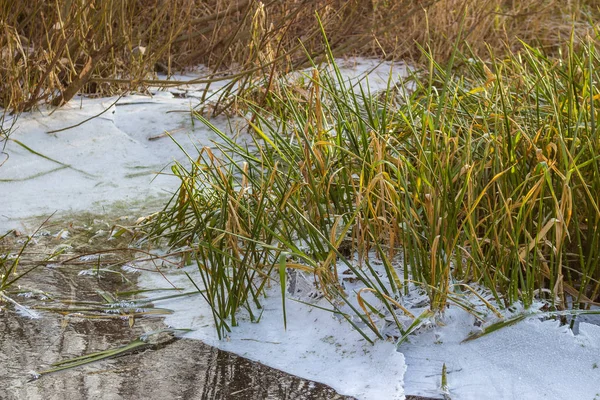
{"points": [[108, 159], [316, 345], [531, 360]]}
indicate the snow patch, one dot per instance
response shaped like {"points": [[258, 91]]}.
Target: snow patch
{"points": [[316, 344]]}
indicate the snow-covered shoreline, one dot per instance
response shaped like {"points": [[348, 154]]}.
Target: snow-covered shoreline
{"points": [[534, 359], [316, 345], [111, 161]]}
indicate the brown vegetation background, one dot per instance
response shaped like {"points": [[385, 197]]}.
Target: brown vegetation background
{"points": [[51, 50]]}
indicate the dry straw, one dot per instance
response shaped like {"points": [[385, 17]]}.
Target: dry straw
{"points": [[51, 50]]}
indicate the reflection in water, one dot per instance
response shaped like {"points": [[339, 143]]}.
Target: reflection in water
{"points": [[182, 369]]}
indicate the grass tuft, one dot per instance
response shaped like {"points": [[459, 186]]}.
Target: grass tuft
{"points": [[483, 173]]}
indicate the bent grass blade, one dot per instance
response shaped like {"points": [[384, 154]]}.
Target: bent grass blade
{"points": [[143, 341]]}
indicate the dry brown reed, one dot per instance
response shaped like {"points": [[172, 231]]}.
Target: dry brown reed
{"points": [[51, 50]]}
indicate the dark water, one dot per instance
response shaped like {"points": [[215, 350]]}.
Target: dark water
{"points": [[172, 369], [179, 369]]}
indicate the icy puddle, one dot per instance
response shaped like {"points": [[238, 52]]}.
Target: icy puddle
{"points": [[166, 369]]}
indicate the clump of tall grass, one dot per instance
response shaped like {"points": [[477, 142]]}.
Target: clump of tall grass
{"points": [[504, 160], [484, 172]]}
